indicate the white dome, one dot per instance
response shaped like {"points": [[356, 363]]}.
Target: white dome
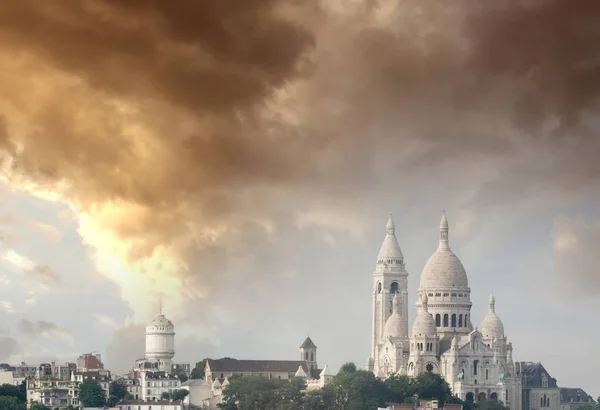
{"points": [[492, 326], [390, 249], [161, 321], [444, 269], [424, 323], [393, 326]]}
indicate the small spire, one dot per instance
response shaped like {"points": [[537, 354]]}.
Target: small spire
{"points": [[390, 228], [444, 232], [492, 303]]}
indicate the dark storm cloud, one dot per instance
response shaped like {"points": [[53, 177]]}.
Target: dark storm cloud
{"points": [[168, 109]]}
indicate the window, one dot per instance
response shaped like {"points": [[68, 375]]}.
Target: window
{"points": [[466, 320], [306, 356], [438, 319], [312, 357], [379, 287], [487, 374], [394, 287], [475, 365], [446, 294], [429, 367], [460, 320], [453, 320], [446, 320]]}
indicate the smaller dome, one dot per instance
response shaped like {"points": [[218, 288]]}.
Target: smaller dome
{"points": [[390, 249], [424, 323], [492, 326], [160, 321], [393, 326]]}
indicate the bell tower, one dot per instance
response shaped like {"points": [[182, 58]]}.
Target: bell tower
{"points": [[308, 353], [390, 278]]}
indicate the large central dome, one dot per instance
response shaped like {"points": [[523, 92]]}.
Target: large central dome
{"points": [[444, 270]]}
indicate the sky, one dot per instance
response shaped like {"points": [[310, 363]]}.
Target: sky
{"points": [[238, 161]]}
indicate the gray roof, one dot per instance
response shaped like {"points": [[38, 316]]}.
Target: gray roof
{"points": [[230, 365], [308, 344], [195, 382], [574, 395], [532, 376]]}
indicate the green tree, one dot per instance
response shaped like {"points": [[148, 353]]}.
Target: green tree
{"points": [[18, 392], [253, 392], [198, 370], [117, 391], [11, 403], [490, 405], [178, 394], [348, 367], [38, 406], [358, 390], [182, 376], [430, 386], [399, 389], [91, 394]]}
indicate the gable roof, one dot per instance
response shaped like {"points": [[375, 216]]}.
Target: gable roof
{"points": [[230, 365], [308, 344], [533, 374], [574, 395]]}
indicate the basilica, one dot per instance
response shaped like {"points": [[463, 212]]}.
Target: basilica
{"points": [[476, 362]]}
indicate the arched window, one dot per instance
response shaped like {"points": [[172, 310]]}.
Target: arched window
{"points": [[466, 320], [394, 287], [487, 374], [446, 320], [460, 320], [438, 320], [312, 357], [475, 366], [379, 287], [453, 320], [429, 367], [306, 356]]}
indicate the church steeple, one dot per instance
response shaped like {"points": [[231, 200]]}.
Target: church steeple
{"points": [[390, 300], [390, 252]]}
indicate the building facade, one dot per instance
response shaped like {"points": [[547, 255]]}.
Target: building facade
{"points": [[477, 364], [540, 390]]}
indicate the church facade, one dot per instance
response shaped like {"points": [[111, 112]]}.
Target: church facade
{"points": [[477, 363]]}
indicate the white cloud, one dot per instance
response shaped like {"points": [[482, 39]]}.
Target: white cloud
{"points": [[18, 260], [7, 307], [106, 321], [25, 264], [576, 253]]}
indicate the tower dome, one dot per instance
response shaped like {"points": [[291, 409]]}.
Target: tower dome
{"points": [[444, 270], [394, 324], [492, 326], [390, 252], [424, 324]]}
